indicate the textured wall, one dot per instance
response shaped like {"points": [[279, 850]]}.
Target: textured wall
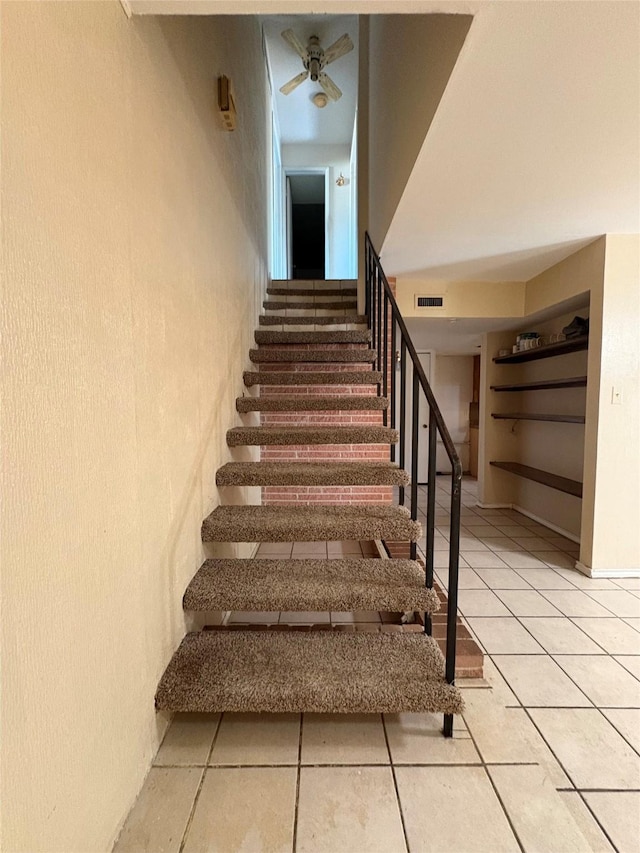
{"points": [[134, 251]]}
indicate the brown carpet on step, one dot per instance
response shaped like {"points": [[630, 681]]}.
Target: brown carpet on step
{"points": [[311, 474], [304, 403], [290, 435], [317, 523], [310, 585], [316, 671]]}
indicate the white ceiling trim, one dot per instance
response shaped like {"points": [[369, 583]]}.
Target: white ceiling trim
{"points": [[300, 7]]}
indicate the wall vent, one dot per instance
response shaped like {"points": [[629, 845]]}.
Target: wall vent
{"points": [[429, 301]]}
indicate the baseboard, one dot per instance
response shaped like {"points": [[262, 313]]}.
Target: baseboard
{"points": [[567, 534], [493, 506], [591, 572]]}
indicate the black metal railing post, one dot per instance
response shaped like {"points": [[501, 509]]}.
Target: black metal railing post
{"points": [[431, 511], [380, 297], [385, 359], [415, 441], [452, 590], [393, 385], [403, 410]]}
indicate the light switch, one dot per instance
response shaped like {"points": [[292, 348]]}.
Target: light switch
{"points": [[616, 395]]}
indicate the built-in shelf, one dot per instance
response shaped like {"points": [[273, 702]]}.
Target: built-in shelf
{"points": [[528, 416], [562, 484], [560, 348], [570, 382]]}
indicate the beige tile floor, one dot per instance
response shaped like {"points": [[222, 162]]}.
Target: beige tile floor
{"points": [[545, 758]]}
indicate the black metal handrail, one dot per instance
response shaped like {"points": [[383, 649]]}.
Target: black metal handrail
{"points": [[382, 311]]}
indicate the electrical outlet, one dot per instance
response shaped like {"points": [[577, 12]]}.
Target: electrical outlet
{"points": [[616, 395]]}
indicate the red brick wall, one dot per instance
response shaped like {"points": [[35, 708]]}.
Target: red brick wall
{"points": [[323, 494]]}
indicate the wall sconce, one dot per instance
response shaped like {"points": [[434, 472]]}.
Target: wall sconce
{"points": [[341, 181], [225, 104]]}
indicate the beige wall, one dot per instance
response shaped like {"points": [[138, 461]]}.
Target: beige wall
{"points": [[612, 509], [462, 298], [134, 252], [412, 59], [606, 455]]}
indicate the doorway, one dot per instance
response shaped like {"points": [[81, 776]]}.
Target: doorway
{"points": [[306, 224], [423, 416]]}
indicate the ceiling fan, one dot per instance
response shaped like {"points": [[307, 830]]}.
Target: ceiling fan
{"points": [[314, 59]]}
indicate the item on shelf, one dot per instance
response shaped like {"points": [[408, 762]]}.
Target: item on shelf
{"points": [[503, 352], [527, 340], [577, 327]]}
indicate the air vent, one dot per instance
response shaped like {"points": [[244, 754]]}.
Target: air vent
{"points": [[429, 301]]}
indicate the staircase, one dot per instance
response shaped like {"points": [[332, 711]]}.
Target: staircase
{"points": [[310, 337]]}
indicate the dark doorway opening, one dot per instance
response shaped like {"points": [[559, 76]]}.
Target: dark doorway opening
{"points": [[307, 206]]}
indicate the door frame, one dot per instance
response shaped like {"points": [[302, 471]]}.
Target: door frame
{"points": [[287, 171]]}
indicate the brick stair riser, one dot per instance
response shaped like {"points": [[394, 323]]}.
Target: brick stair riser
{"points": [[279, 496]]}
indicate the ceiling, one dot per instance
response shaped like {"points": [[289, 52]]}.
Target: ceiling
{"points": [[300, 121], [534, 150]]}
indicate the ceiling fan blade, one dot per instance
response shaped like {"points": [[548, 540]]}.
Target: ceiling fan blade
{"points": [[290, 37], [329, 86], [338, 49], [294, 83]]}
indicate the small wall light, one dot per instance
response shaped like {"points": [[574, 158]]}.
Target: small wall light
{"points": [[226, 105], [341, 181]]}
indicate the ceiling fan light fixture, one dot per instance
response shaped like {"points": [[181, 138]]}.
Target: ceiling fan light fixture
{"points": [[320, 99], [314, 58]]}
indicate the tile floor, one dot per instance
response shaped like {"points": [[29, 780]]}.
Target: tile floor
{"points": [[545, 758]]}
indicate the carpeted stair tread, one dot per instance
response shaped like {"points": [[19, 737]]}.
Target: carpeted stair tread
{"points": [[310, 585], [309, 377], [306, 403], [311, 292], [342, 336], [315, 671], [280, 320], [348, 355], [259, 436], [311, 474], [315, 523], [275, 305]]}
